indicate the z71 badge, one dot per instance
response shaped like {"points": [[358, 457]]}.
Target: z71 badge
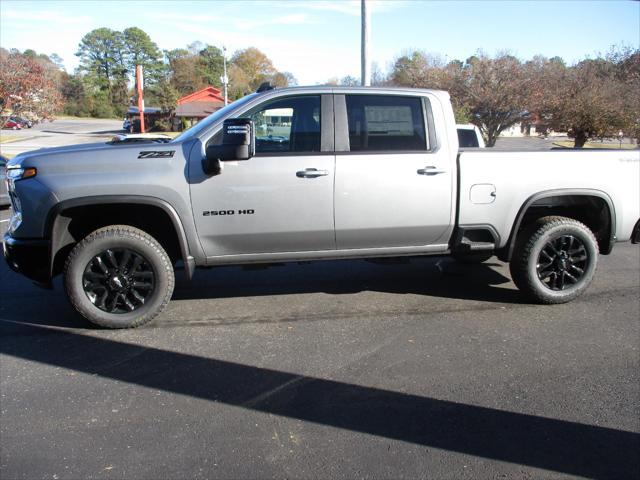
{"points": [[158, 154]]}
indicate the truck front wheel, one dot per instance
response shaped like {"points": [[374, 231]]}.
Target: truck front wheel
{"points": [[554, 260], [119, 277]]}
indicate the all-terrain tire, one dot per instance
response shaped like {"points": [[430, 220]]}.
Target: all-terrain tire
{"points": [[554, 260], [115, 274]]}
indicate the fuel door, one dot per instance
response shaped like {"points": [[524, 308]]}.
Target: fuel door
{"points": [[482, 193]]}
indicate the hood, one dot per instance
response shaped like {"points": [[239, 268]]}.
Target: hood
{"points": [[57, 150], [82, 149], [100, 157]]}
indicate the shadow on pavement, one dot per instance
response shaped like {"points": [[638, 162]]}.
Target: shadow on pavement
{"points": [[431, 277], [557, 445]]}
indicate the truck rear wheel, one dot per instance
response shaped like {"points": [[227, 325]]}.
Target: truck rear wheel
{"points": [[119, 277], [554, 260]]}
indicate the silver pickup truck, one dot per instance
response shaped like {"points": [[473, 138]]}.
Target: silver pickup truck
{"points": [[310, 173]]}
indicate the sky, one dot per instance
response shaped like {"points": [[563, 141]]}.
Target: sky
{"points": [[320, 39]]}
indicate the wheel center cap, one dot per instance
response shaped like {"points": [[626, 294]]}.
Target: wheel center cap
{"points": [[116, 282]]}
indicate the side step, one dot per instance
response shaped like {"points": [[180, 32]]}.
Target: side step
{"points": [[475, 238]]}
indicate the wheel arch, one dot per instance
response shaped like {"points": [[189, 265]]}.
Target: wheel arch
{"points": [[572, 200], [60, 217]]}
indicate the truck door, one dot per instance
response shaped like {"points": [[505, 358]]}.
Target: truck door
{"points": [[281, 200], [393, 185]]}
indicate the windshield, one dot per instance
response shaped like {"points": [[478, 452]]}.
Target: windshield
{"points": [[211, 119]]}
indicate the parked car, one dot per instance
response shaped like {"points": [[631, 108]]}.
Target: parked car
{"points": [[4, 194], [24, 123], [469, 136], [126, 125], [366, 172], [13, 125]]}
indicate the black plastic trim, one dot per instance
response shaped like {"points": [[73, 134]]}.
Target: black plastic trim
{"points": [[342, 144], [507, 252], [432, 133], [55, 211], [29, 257], [327, 132]]}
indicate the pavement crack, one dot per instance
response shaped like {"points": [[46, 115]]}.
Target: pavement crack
{"points": [[270, 393]]}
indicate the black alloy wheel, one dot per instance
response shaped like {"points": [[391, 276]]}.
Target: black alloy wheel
{"points": [[554, 260], [118, 280], [562, 262]]}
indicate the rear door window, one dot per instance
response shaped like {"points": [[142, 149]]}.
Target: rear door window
{"points": [[385, 123]]}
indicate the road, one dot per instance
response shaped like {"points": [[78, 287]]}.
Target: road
{"points": [[58, 133], [347, 369]]}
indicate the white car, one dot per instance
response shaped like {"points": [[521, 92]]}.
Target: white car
{"points": [[469, 136]]}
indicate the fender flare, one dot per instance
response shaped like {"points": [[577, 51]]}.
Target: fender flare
{"points": [[54, 228], [511, 242]]}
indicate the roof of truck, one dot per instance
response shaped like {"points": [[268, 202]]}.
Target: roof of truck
{"points": [[344, 89]]}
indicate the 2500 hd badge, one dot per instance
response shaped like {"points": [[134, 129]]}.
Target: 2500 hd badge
{"points": [[211, 213]]}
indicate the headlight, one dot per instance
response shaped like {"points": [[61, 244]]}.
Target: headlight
{"points": [[18, 173]]}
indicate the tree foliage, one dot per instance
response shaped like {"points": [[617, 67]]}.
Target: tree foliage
{"points": [[495, 92], [28, 85], [594, 98], [102, 57], [139, 49], [249, 68]]}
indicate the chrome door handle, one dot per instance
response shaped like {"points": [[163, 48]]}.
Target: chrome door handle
{"points": [[311, 173], [430, 170]]}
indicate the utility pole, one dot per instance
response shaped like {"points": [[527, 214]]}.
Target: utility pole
{"points": [[365, 66], [224, 78], [140, 88]]}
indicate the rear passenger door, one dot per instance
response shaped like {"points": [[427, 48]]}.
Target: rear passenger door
{"points": [[393, 185]]}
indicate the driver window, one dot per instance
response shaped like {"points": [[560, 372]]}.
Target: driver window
{"points": [[288, 125]]}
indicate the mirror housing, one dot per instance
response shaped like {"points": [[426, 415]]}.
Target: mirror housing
{"points": [[238, 143]]}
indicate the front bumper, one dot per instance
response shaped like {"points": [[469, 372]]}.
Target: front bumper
{"points": [[28, 257]]}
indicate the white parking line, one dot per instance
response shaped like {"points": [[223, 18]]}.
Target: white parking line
{"points": [[2, 221]]}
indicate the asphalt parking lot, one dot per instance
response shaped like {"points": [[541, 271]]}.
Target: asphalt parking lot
{"points": [[328, 370], [64, 131]]}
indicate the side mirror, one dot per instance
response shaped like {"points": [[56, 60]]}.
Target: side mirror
{"points": [[238, 143]]}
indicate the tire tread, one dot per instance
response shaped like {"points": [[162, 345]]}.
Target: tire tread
{"points": [[113, 231]]}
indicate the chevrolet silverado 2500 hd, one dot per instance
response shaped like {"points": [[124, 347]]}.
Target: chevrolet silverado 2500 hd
{"points": [[303, 174]]}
